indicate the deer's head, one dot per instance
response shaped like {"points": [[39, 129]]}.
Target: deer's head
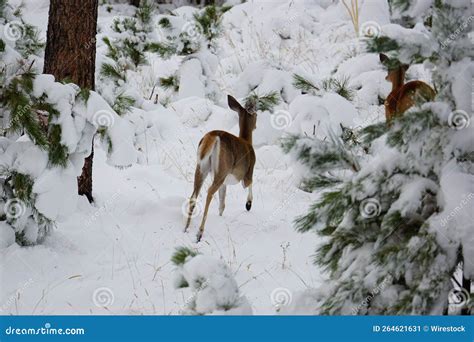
{"points": [[247, 118], [395, 75]]}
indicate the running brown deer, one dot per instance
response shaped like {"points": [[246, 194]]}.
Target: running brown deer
{"points": [[403, 95], [229, 158]]}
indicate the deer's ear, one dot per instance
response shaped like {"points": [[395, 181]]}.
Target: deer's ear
{"points": [[234, 104], [383, 58]]}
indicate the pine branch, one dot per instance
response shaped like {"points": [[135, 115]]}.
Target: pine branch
{"points": [[319, 181], [162, 49], [123, 103], [372, 132], [339, 86], [170, 82], [301, 83], [108, 70], [181, 255], [262, 102], [165, 23]]}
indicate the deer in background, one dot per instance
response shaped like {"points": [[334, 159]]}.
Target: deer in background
{"points": [[403, 95], [229, 158]]}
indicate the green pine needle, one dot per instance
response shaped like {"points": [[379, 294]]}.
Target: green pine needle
{"points": [[123, 103], [382, 44], [22, 185], [108, 70], [58, 153], [171, 82], [339, 86], [84, 94], [162, 49], [181, 255], [165, 23], [262, 102], [301, 83]]}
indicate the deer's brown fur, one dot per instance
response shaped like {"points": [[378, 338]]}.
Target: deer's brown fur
{"points": [[229, 158], [403, 95]]}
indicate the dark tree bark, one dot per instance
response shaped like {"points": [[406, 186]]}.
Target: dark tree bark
{"points": [[70, 55], [135, 3]]}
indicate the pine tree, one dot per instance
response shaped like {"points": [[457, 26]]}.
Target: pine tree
{"points": [[36, 155], [70, 53], [126, 51], [388, 248]]}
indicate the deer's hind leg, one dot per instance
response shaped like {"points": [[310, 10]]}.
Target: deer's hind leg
{"points": [[199, 177], [216, 184], [222, 192]]}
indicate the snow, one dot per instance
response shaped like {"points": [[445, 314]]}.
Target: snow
{"points": [[51, 199], [455, 221], [215, 289], [7, 235], [319, 116], [190, 79], [417, 39]]}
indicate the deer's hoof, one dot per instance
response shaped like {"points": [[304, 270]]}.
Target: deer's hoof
{"points": [[248, 205], [198, 237]]}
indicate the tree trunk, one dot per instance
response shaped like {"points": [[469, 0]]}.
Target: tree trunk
{"points": [[70, 55], [135, 3]]}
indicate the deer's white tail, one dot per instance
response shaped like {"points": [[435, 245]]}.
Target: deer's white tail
{"points": [[208, 154]]}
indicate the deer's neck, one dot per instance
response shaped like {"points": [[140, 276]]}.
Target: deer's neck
{"points": [[398, 81], [246, 134]]}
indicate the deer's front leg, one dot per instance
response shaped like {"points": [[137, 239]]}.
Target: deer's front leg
{"points": [[248, 205], [247, 183]]}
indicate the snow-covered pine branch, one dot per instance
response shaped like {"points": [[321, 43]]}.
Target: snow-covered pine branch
{"points": [[48, 129], [389, 227], [214, 289]]}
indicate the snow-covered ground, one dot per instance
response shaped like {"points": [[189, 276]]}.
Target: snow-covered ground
{"points": [[119, 249], [125, 243]]}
